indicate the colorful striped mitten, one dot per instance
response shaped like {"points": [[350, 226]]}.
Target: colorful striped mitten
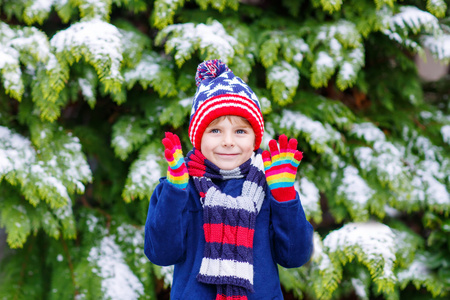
{"points": [[281, 168], [177, 173]]}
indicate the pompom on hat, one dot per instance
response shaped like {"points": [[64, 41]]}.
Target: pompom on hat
{"points": [[220, 93]]}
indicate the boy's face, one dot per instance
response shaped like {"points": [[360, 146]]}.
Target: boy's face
{"points": [[228, 142]]}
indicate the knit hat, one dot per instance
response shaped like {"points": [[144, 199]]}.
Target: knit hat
{"points": [[220, 93]]}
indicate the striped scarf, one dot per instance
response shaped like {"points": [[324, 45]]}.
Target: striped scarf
{"points": [[228, 223]]}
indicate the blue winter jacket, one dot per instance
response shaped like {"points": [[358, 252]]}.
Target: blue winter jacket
{"points": [[174, 236]]}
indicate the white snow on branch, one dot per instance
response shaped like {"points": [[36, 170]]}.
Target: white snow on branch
{"points": [[372, 242], [98, 41], [318, 133], [216, 37], [286, 73], [355, 189], [324, 62], [387, 161], [368, 132], [118, 282], [412, 18], [52, 179], [46, 179], [417, 270], [16, 152], [309, 196], [283, 75], [8, 56], [445, 132], [42, 5], [301, 47], [147, 69], [319, 255], [33, 41], [167, 272], [439, 46], [146, 172], [188, 37], [435, 191], [76, 169], [352, 64]]}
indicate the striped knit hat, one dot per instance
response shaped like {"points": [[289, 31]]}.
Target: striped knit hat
{"points": [[220, 93]]}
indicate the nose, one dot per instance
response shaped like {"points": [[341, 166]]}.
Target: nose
{"points": [[228, 140]]}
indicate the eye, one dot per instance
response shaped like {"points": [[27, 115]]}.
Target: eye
{"points": [[214, 130], [240, 131]]}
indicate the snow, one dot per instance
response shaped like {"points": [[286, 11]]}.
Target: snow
{"points": [[426, 147], [87, 89], [145, 172], [100, 39], [445, 132], [347, 71], [211, 37], [413, 18], [390, 158], [77, 169], [92, 222], [182, 44], [118, 282], [359, 287], [65, 212], [319, 134], [147, 69], [324, 61], [9, 64], [130, 235], [38, 8], [439, 46], [301, 47], [8, 56], [309, 196], [417, 193], [41, 5], [426, 115], [46, 179], [121, 142], [355, 189], [416, 270], [284, 73], [319, 255], [376, 241], [32, 40], [167, 272], [386, 159], [368, 132], [186, 102], [436, 192], [216, 37], [16, 152]]}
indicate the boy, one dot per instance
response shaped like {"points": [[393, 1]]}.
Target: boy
{"points": [[228, 214]]}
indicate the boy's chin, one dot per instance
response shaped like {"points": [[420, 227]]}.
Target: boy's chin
{"points": [[228, 166]]}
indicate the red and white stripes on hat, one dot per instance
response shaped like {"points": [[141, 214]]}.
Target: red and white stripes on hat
{"points": [[220, 93]]}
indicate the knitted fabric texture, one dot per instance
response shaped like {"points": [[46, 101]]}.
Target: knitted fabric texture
{"points": [[228, 223], [177, 173], [280, 167], [220, 93]]}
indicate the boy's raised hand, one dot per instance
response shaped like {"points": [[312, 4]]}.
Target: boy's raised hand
{"points": [[177, 173], [280, 166]]}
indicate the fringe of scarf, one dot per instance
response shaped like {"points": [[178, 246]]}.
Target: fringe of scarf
{"points": [[228, 223]]}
